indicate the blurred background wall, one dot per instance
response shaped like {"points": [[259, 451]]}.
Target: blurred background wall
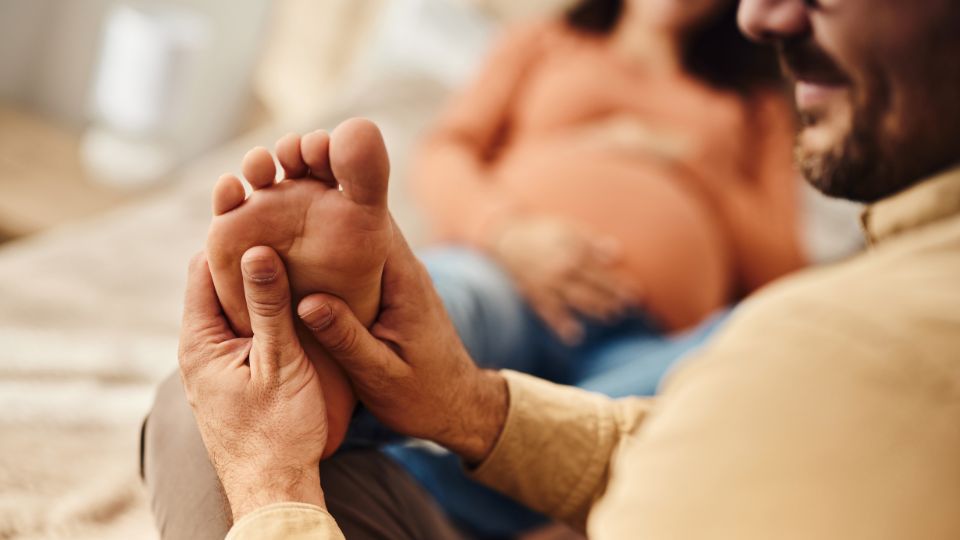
{"points": [[48, 54]]}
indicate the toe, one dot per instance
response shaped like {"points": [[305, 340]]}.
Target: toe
{"points": [[358, 159], [228, 193], [315, 149], [258, 168], [288, 153]]}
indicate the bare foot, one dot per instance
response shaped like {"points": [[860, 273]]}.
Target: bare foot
{"points": [[328, 221]]}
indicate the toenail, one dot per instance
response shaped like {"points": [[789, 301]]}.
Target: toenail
{"points": [[260, 269]]}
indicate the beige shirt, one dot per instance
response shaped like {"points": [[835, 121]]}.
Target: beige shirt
{"points": [[828, 408]]}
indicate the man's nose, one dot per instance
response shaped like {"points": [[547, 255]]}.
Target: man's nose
{"points": [[773, 20]]}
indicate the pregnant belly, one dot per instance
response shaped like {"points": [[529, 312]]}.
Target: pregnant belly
{"points": [[674, 253]]}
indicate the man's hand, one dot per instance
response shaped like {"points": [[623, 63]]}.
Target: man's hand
{"points": [[257, 400], [562, 272], [411, 369]]}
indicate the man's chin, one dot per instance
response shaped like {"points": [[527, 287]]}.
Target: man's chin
{"points": [[843, 170], [826, 156], [818, 139], [816, 168], [825, 160]]}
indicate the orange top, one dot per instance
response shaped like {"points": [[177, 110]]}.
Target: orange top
{"points": [[696, 184]]}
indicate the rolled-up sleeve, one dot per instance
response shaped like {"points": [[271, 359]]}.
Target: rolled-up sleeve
{"points": [[289, 521], [555, 450]]}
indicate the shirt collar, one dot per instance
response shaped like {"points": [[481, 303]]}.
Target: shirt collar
{"points": [[929, 201]]}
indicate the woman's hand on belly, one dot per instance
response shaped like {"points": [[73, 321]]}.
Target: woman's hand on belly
{"points": [[562, 272]]}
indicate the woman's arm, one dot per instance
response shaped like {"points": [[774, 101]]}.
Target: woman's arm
{"points": [[451, 170]]}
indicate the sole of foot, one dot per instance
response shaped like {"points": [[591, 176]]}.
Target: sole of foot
{"points": [[328, 220]]}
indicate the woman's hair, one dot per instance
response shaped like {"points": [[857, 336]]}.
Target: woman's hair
{"points": [[716, 53]]}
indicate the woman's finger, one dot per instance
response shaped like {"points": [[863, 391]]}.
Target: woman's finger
{"points": [[603, 279], [594, 302], [606, 249], [554, 312]]}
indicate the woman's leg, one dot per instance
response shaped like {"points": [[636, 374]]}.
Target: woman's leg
{"points": [[635, 363], [490, 315], [477, 510]]}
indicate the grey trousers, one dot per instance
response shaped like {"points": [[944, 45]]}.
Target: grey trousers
{"points": [[369, 495]]}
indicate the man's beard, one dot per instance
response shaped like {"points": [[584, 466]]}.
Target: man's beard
{"points": [[854, 169], [860, 167], [887, 148]]}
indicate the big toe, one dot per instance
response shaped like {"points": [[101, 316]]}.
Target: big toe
{"points": [[258, 168], [358, 158]]}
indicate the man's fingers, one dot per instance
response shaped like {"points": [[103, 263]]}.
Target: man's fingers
{"points": [[203, 322], [402, 272], [200, 304], [267, 291], [606, 249], [338, 330]]}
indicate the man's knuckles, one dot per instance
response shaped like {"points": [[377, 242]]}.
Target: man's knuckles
{"points": [[269, 303]]}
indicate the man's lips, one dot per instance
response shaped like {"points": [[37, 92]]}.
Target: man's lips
{"points": [[813, 95], [818, 78]]}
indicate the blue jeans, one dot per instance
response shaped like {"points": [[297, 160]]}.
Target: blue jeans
{"points": [[499, 330]]}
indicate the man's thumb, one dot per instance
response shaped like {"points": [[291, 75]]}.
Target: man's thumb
{"points": [[339, 331]]}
